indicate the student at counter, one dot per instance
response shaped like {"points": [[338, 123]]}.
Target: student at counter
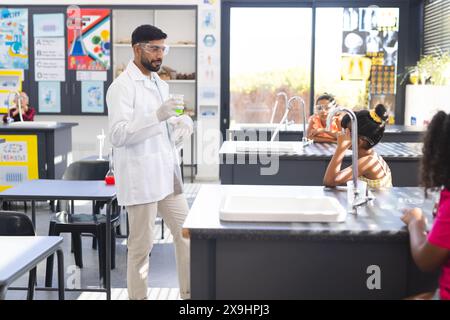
{"points": [[318, 121], [371, 167], [27, 111], [432, 251]]}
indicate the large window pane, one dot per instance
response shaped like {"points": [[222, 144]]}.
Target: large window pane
{"points": [[356, 55], [270, 51]]}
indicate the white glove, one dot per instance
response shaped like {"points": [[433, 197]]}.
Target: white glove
{"points": [[167, 110], [182, 128]]}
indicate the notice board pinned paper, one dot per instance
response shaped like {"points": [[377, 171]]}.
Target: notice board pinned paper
{"points": [[91, 75]]}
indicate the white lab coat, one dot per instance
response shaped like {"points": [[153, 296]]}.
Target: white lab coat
{"points": [[146, 166]]}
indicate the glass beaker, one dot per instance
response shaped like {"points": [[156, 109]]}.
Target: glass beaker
{"points": [[179, 98], [109, 177]]}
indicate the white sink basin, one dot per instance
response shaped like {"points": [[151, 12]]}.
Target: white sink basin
{"points": [[281, 209], [265, 146], [34, 124]]}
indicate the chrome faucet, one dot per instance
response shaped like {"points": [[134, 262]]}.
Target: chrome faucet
{"points": [[305, 140], [279, 94], [358, 199], [19, 105]]}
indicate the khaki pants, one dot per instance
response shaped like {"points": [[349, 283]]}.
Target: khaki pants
{"points": [[173, 209]]}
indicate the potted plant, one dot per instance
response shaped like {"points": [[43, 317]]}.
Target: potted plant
{"points": [[430, 69]]}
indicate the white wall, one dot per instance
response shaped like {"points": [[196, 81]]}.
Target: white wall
{"points": [[84, 136]]}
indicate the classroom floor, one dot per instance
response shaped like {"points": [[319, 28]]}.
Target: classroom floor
{"points": [[163, 280]]}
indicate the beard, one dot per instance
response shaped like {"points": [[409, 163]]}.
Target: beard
{"points": [[152, 65]]}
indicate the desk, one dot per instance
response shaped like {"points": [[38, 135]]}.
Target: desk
{"points": [[54, 145], [21, 254], [43, 190]]}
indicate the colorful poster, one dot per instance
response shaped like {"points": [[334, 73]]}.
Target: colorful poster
{"points": [[88, 36], [10, 82], [48, 25], [49, 96], [92, 97], [18, 160], [13, 38]]}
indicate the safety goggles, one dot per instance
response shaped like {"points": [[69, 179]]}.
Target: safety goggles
{"points": [[153, 49], [323, 107]]}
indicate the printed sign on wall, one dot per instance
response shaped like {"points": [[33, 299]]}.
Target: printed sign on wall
{"points": [[13, 38], [18, 160], [48, 25]]}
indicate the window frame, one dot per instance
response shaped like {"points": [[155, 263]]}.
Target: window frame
{"points": [[408, 50]]}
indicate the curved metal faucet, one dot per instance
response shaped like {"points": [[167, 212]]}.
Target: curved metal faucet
{"points": [[19, 105], [305, 139], [357, 200], [279, 94]]}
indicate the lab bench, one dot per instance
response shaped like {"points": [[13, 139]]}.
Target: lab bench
{"points": [[248, 260], [307, 165], [294, 132]]}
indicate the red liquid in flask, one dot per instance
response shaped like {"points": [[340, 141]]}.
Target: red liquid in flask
{"points": [[110, 180]]}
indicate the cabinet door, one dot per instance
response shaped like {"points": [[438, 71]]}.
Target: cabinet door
{"points": [[32, 84]]}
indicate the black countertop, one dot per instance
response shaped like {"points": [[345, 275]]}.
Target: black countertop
{"points": [[37, 126], [393, 128], [403, 150], [378, 220]]}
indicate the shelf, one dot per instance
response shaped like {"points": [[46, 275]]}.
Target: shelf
{"points": [[128, 45], [180, 81]]}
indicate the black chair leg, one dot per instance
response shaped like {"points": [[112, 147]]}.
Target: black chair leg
{"points": [[101, 249], [77, 249], [49, 267], [95, 210], [162, 228], [113, 248], [31, 283]]}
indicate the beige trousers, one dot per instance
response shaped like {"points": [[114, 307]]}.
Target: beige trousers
{"points": [[173, 209]]}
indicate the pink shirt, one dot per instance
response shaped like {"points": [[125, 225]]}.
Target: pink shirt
{"points": [[440, 237]]}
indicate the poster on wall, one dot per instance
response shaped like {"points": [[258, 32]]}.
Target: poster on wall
{"points": [[92, 97], [88, 42], [49, 70], [13, 38], [49, 96], [48, 25], [19, 160], [10, 82]]}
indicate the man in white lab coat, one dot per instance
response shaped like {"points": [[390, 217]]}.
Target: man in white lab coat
{"points": [[145, 133]]}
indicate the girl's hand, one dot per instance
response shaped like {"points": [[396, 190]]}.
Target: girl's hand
{"points": [[344, 140], [411, 215]]}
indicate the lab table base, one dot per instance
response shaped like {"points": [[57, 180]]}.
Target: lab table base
{"points": [[293, 269], [307, 171]]}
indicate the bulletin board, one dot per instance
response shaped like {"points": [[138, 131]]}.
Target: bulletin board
{"points": [[18, 160]]}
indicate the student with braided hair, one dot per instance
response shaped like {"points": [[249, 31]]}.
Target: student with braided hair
{"points": [[371, 167]]}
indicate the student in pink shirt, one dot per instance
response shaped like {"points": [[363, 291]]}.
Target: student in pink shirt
{"points": [[432, 251]]}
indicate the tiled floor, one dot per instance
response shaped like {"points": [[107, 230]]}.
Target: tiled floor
{"points": [[163, 281]]}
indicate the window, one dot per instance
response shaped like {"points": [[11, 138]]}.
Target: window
{"points": [[436, 26], [356, 55], [270, 52]]}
